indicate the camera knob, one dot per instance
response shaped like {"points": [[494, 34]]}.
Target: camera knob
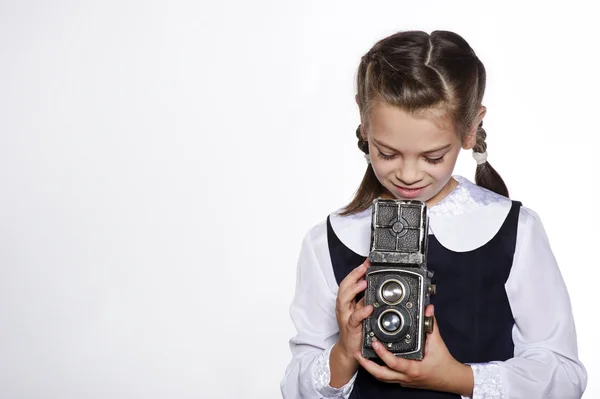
{"points": [[431, 289], [428, 323]]}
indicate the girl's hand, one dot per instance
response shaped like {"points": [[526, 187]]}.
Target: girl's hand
{"points": [[437, 371], [350, 313]]}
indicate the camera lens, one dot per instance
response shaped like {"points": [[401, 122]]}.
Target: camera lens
{"points": [[392, 292], [391, 321]]}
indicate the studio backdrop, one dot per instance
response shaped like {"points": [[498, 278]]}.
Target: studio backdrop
{"points": [[160, 162]]}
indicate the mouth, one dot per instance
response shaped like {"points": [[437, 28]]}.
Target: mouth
{"points": [[409, 192]]}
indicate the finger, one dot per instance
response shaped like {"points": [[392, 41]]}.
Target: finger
{"points": [[347, 293], [395, 363], [354, 276], [345, 302], [357, 317], [360, 304], [434, 340], [435, 334], [345, 299], [429, 310], [350, 294], [382, 373]]}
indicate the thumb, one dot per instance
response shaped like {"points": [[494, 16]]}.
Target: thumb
{"points": [[429, 310], [434, 339], [435, 334]]}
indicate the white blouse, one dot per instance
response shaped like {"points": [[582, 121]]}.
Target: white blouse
{"points": [[545, 363]]}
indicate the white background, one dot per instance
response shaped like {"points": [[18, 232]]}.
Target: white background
{"points": [[160, 162]]}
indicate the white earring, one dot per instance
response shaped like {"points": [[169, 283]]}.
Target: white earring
{"points": [[368, 158]]}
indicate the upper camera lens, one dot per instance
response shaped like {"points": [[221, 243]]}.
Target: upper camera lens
{"points": [[392, 292]]}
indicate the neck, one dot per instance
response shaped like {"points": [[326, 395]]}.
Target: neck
{"points": [[443, 193]]}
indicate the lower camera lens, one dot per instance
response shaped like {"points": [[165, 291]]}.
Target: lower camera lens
{"points": [[391, 321]]}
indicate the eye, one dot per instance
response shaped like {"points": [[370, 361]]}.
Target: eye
{"points": [[434, 160], [385, 156]]}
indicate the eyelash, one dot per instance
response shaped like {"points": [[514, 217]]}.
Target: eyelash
{"points": [[432, 161]]}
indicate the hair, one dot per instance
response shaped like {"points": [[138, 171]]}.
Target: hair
{"points": [[418, 72]]}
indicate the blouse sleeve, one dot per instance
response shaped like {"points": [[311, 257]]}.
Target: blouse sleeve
{"points": [[313, 314], [545, 363]]}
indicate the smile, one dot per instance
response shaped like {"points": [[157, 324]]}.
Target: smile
{"points": [[409, 192]]}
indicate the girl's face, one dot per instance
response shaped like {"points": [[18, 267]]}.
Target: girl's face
{"points": [[413, 156]]}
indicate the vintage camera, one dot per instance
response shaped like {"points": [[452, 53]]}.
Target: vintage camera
{"points": [[398, 282]]}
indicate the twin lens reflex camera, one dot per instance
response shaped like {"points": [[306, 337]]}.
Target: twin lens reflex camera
{"points": [[398, 282]]}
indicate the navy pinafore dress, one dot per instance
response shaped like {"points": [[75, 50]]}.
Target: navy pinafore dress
{"points": [[471, 305]]}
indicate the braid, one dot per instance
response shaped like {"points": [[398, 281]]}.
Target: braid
{"points": [[480, 145], [363, 144], [369, 184], [485, 175]]}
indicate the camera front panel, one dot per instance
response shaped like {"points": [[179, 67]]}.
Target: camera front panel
{"points": [[397, 296]]}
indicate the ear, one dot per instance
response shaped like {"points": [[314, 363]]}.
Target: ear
{"points": [[471, 137]]}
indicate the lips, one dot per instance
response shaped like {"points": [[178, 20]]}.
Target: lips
{"points": [[410, 192]]}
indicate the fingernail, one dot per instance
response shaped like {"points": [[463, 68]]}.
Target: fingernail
{"points": [[376, 345]]}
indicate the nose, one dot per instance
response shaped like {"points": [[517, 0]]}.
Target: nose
{"points": [[408, 174]]}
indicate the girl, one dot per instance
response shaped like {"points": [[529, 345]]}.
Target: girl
{"points": [[503, 322]]}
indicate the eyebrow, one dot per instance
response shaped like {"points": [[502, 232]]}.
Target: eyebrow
{"points": [[380, 144]]}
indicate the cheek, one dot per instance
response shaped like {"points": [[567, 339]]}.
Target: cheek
{"points": [[443, 171], [383, 169], [440, 172]]}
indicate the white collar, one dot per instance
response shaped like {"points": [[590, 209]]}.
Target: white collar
{"points": [[464, 220], [465, 198]]}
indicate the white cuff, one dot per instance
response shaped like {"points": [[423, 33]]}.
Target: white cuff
{"points": [[322, 376], [487, 381]]}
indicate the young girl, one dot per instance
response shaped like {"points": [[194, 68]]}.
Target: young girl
{"points": [[503, 323]]}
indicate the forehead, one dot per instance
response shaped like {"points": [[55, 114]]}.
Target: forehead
{"points": [[410, 131]]}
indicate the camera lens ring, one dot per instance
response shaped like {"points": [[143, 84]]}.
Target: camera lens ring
{"points": [[385, 330], [382, 334], [384, 297]]}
